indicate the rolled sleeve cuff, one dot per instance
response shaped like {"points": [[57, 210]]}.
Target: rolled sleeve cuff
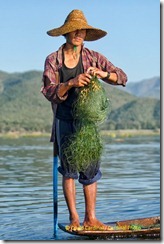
{"points": [[63, 98], [122, 78]]}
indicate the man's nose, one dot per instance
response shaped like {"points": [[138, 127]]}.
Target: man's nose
{"points": [[78, 32]]}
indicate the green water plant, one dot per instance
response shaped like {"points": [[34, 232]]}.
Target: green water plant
{"points": [[135, 227]]}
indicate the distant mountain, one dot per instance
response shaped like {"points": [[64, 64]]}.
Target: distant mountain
{"points": [[145, 88], [143, 113], [24, 108]]}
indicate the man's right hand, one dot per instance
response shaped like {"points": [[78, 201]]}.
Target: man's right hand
{"points": [[80, 81]]}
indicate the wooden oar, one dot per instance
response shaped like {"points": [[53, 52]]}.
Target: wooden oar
{"points": [[55, 189]]}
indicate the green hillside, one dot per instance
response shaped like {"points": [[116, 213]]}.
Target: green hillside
{"points": [[143, 113], [24, 108]]}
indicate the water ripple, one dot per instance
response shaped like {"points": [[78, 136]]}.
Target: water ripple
{"points": [[129, 188]]}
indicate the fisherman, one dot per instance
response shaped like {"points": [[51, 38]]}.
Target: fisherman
{"points": [[66, 70]]}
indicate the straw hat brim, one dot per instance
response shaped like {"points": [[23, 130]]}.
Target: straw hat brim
{"points": [[91, 35]]}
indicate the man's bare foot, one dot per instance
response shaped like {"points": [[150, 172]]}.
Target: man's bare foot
{"points": [[95, 224], [74, 224]]}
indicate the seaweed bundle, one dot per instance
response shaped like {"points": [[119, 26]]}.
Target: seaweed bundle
{"points": [[90, 109]]}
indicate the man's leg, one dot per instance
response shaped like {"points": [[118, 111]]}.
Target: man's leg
{"points": [[90, 220], [69, 191]]}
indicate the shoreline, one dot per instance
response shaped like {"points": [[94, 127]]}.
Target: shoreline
{"points": [[108, 133], [129, 133]]}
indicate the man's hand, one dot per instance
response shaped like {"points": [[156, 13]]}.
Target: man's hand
{"points": [[103, 74], [80, 81], [97, 72]]}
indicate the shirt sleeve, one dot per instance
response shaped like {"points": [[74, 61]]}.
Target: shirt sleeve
{"points": [[51, 82], [106, 65]]}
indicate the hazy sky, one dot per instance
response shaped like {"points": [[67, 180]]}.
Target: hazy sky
{"points": [[132, 43]]}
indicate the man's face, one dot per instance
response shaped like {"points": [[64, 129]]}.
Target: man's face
{"points": [[76, 37]]}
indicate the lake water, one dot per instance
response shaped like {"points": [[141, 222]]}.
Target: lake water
{"points": [[129, 187]]}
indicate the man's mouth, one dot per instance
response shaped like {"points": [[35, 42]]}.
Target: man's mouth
{"points": [[78, 38]]}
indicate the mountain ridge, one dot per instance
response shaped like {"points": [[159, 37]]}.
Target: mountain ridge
{"points": [[145, 88], [24, 108]]}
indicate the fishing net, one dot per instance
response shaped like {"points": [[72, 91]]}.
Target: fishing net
{"points": [[92, 103], [90, 110], [84, 147]]}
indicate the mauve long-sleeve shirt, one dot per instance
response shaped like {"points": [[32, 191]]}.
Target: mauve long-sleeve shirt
{"points": [[54, 62]]}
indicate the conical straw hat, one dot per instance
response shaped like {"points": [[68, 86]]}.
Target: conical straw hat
{"points": [[77, 21]]}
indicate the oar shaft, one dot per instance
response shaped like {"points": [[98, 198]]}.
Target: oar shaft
{"points": [[55, 192]]}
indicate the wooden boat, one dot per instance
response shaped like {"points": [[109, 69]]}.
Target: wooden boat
{"points": [[142, 227]]}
